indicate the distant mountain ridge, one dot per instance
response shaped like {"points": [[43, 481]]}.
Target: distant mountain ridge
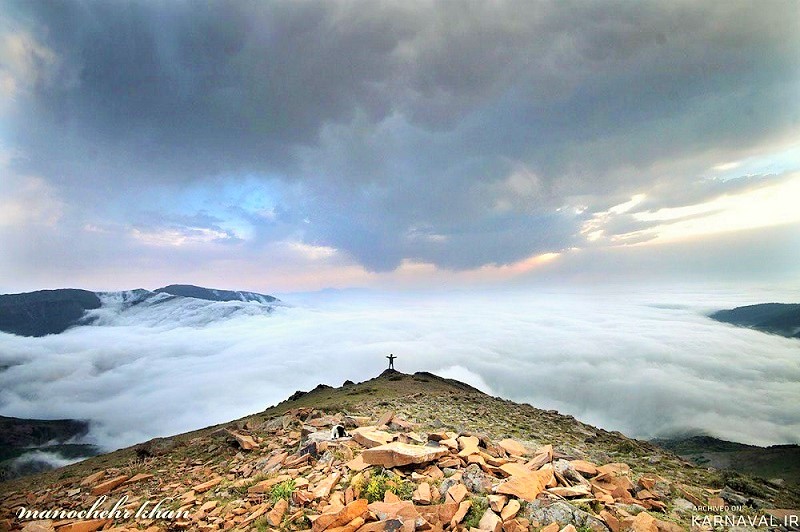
{"points": [[773, 462], [53, 311], [773, 318]]}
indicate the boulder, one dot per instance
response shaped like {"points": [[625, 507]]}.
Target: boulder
{"points": [[563, 514], [371, 437], [490, 521], [513, 447], [510, 510], [475, 480], [275, 516], [341, 517], [422, 495], [110, 484], [526, 486], [398, 454]]}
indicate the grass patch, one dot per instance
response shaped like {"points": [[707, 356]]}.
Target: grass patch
{"points": [[374, 489], [283, 490], [476, 511]]}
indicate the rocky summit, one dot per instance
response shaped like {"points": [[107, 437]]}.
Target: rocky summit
{"points": [[395, 453]]}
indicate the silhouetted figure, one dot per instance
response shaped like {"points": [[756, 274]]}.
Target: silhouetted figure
{"points": [[391, 358]]}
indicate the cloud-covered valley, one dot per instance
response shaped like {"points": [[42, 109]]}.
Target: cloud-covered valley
{"points": [[647, 363]]}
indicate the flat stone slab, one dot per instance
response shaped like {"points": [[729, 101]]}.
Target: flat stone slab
{"points": [[399, 454]]}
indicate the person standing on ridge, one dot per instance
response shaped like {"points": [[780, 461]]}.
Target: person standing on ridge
{"points": [[391, 358]]}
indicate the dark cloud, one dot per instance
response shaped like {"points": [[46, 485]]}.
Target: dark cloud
{"points": [[437, 132]]}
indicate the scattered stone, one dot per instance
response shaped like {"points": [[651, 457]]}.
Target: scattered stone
{"points": [[490, 521], [275, 516], [475, 480], [456, 493], [93, 478], [511, 510], [371, 437], [245, 441], [109, 485], [644, 522], [461, 513], [526, 486], [584, 468], [513, 447], [497, 502], [422, 495], [89, 525], [356, 509]]}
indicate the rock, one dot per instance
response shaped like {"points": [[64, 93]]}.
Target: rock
{"points": [[403, 510], [324, 488], [567, 470], [85, 526], [668, 526], [385, 419], [552, 527], [461, 513], [155, 447], [611, 520], [93, 478], [490, 521], [563, 514], [511, 510], [398, 423], [526, 486], [422, 495], [584, 468], [139, 477], [109, 485], [515, 468], [356, 509], [730, 496], [275, 516], [682, 506], [614, 469], [468, 445], [357, 464], [398, 454], [456, 493], [266, 485], [39, 526], [438, 515], [644, 522], [389, 525], [245, 441], [497, 502], [371, 437], [475, 480], [572, 491], [513, 447]]}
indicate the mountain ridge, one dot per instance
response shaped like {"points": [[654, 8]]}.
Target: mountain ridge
{"points": [[45, 312], [227, 475], [774, 318]]}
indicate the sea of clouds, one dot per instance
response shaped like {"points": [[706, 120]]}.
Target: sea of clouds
{"points": [[647, 362]]}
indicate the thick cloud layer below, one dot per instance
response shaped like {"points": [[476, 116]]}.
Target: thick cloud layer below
{"points": [[648, 363]]}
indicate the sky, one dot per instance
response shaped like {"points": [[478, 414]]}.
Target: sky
{"points": [[286, 146]]}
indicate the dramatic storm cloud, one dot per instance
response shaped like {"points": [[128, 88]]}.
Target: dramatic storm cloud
{"points": [[327, 141], [634, 361]]}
